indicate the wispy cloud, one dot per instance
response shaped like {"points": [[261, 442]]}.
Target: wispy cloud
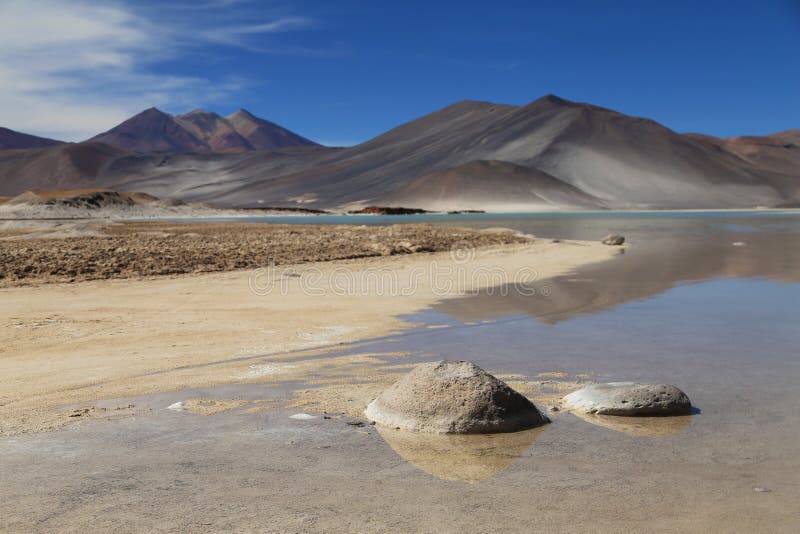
{"points": [[211, 4], [72, 68], [236, 35]]}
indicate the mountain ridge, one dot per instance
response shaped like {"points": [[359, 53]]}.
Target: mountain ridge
{"points": [[13, 140], [580, 155], [198, 131]]}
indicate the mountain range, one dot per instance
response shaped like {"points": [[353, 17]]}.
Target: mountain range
{"points": [[199, 131], [549, 154]]}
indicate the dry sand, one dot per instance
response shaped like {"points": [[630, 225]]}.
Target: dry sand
{"points": [[70, 344]]}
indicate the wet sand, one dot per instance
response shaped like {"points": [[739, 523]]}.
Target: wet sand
{"points": [[243, 470]]}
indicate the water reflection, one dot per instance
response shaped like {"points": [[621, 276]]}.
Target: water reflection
{"points": [[639, 426], [462, 458], [652, 265]]}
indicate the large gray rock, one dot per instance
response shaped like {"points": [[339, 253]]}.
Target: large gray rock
{"points": [[456, 398], [629, 399]]}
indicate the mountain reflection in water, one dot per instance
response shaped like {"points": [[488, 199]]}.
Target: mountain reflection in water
{"points": [[656, 261]]}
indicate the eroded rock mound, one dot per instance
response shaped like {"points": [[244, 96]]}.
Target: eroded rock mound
{"points": [[630, 399], [454, 398]]}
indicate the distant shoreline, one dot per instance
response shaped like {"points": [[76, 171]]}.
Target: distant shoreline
{"points": [[237, 213]]}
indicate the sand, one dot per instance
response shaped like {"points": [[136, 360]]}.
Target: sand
{"points": [[66, 345]]}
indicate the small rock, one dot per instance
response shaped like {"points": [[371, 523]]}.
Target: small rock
{"points": [[630, 399], [613, 239], [355, 423], [762, 490], [554, 408]]}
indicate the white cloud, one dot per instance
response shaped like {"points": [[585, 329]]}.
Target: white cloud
{"points": [[70, 68], [233, 34]]}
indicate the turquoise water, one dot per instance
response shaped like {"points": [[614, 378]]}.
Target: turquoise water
{"points": [[488, 219]]}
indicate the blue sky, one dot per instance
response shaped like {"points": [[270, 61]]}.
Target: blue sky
{"points": [[343, 71]]}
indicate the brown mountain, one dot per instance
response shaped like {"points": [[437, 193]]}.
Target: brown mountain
{"points": [[11, 140], [66, 166], [779, 152], [624, 161], [152, 131], [216, 133], [198, 132], [265, 135], [471, 155]]}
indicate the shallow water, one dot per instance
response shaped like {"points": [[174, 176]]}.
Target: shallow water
{"points": [[683, 305], [708, 302]]}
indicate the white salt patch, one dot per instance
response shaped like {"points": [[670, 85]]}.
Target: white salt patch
{"points": [[258, 349], [257, 371], [303, 416], [327, 333], [176, 407]]}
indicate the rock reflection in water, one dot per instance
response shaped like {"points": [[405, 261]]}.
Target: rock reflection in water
{"points": [[467, 458], [639, 426]]}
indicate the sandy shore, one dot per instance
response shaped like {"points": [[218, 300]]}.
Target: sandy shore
{"points": [[68, 344]]}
